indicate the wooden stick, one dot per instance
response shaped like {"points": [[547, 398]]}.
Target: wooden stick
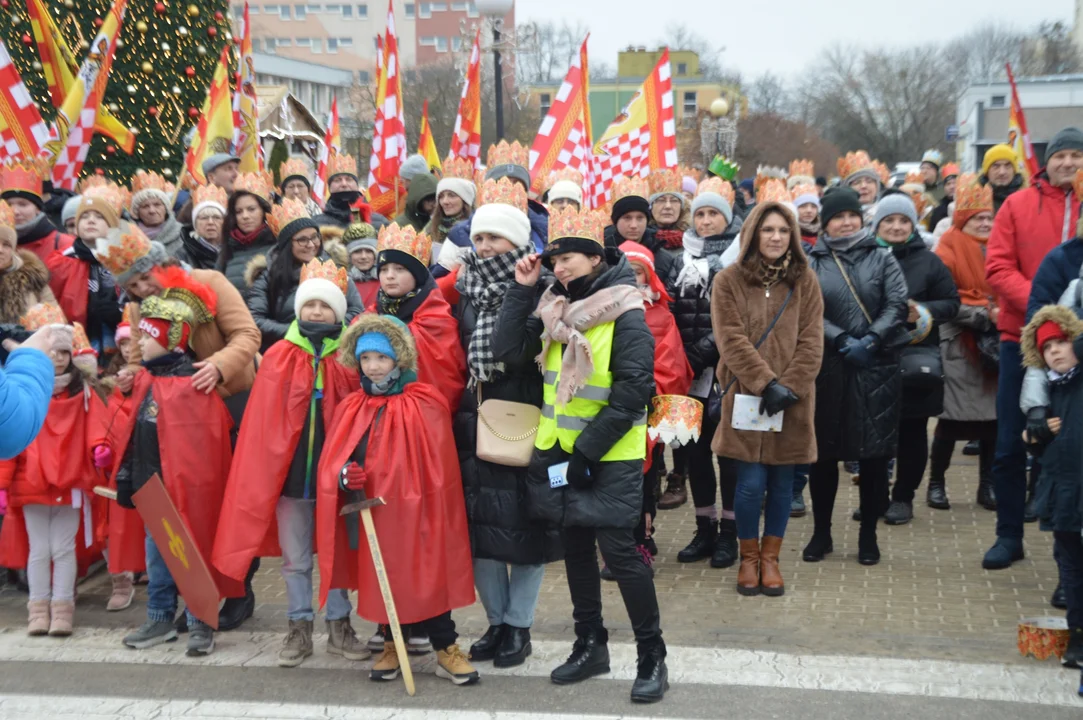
{"points": [[389, 601], [105, 492]]}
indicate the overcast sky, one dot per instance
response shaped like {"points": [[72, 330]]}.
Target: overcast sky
{"points": [[784, 36]]}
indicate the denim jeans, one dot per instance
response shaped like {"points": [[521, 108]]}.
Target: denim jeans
{"points": [[509, 593], [753, 480], [1010, 462], [162, 591], [800, 479], [296, 522]]}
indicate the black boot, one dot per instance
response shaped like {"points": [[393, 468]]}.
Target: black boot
{"points": [[702, 544], [868, 551], [652, 677], [972, 448], [1073, 656], [820, 545], [725, 546], [236, 610], [514, 649], [936, 495], [590, 657], [485, 648], [986, 497], [1059, 599]]}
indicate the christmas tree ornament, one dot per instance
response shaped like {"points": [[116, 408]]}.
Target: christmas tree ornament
{"points": [[4, 4], [212, 31], [152, 111], [168, 172], [193, 112], [147, 68], [201, 49], [131, 89], [159, 7], [113, 107], [165, 47], [98, 22], [84, 44], [182, 31], [193, 10], [120, 43], [27, 40], [37, 66], [218, 16], [141, 26], [165, 153], [110, 149], [190, 71], [69, 4]]}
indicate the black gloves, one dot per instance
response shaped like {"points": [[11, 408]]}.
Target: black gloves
{"points": [[776, 398], [579, 474], [1038, 428], [124, 497], [861, 353]]}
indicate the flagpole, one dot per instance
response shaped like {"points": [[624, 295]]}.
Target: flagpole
{"points": [[1028, 149]]}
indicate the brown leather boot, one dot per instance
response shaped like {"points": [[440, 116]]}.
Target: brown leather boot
{"points": [[748, 577], [770, 577]]}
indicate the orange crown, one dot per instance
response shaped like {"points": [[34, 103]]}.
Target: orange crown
{"points": [[259, 183], [694, 173], [282, 215], [457, 167], [664, 181], [949, 170], [316, 270], [7, 215], [41, 315], [914, 177], [920, 201], [971, 195], [341, 164], [126, 316], [765, 173], [504, 191], [882, 170], [853, 162], [407, 240], [23, 176], [570, 223], [504, 154], [798, 190], [803, 168], [80, 342], [295, 166], [210, 193], [112, 194], [718, 186], [630, 187], [773, 190], [143, 180], [565, 173], [1077, 184], [119, 250]]}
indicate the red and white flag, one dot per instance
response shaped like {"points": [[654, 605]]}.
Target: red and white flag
{"points": [[331, 143], [246, 144], [466, 140], [389, 152], [23, 133]]}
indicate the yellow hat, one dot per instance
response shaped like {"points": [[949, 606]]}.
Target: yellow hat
{"points": [[996, 154]]}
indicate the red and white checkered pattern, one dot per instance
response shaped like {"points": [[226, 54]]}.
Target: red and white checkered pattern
{"points": [[466, 140], [378, 118], [628, 156], [23, 133], [392, 153], [330, 141]]}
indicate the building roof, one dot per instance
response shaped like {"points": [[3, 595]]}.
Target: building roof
{"points": [[282, 115], [291, 69]]}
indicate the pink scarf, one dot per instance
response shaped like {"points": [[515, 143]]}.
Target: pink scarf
{"points": [[565, 323]]}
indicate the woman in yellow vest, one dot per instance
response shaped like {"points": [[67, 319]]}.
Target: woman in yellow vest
{"points": [[591, 339]]}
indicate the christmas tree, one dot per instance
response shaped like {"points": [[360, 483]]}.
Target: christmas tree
{"points": [[159, 79]]}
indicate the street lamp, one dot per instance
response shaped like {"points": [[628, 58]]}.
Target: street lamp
{"points": [[495, 10]]}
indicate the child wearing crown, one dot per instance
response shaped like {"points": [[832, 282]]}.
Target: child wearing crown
{"points": [[51, 527], [392, 439], [273, 477], [170, 420]]}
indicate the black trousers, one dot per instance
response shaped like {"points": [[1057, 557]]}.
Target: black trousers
{"points": [[911, 459], [824, 486], [701, 477], [440, 630], [632, 575], [680, 460], [948, 432]]}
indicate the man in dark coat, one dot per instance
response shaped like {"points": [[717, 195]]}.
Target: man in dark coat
{"points": [[420, 201]]}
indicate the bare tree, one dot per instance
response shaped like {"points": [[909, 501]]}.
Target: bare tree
{"points": [[682, 37], [768, 139], [980, 55], [767, 94], [1050, 50], [556, 47]]}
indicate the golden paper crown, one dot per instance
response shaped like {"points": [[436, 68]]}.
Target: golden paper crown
{"points": [[799, 190], [568, 222], [971, 195], [765, 173], [664, 181], [126, 316], [773, 190], [119, 250], [112, 194], [803, 168], [210, 193], [882, 170], [295, 166], [23, 176], [1077, 184], [143, 180], [80, 342], [282, 215], [7, 215], [711, 185], [407, 240], [459, 167], [41, 315], [565, 173], [914, 177], [259, 183], [504, 154], [341, 164], [694, 173], [504, 191], [852, 162], [316, 270], [920, 200], [630, 187]]}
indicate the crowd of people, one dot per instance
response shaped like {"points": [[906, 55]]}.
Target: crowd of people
{"points": [[494, 367]]}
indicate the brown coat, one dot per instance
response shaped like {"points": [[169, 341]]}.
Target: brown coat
{"points": [[740, 312], [231, 342], [24, 284]]}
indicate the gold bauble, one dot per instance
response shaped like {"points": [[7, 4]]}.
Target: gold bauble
{"points": [[148, 68], [193, 10], [201, 49], [37, 65], [69, 4], [141, 26]]}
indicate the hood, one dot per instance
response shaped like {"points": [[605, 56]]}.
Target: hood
{"points": [[1061, 315], [402, 342], [749, 252], [255, 267], [421, 187]]}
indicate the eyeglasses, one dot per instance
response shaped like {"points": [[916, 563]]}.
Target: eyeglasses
{"points": [[306, 241]]}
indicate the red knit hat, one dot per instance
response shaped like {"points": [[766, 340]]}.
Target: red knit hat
{"points": [[640, 254], [1048, 331]]}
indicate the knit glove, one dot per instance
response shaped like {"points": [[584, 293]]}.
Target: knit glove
{"points": [[124, 497], [861, 353], [353, 477], [776, 398], [103, 457], [1038, 432], [579, 475]]}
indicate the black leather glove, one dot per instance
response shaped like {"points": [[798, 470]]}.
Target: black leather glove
{"points": [[124, 497], [579, 473], [1038, 428], [776, 398]]}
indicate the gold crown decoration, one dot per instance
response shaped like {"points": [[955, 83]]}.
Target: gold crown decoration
{"points": [[765, 173], [341, 164], [568, 222], [119, 250], [80, 342], [7, 215], [798, 190], [210, 193], [711, 185], [971, 195], [259, 183], [143, 180], [504, 191], [504, 154], [920, 200], [773, 190], [565, 173], [112, 194], [295, 166], [694, 173], [803, 168], [316, 270], [914, 177], [853, 162], [1077, 184], [24, 176], [664, 180], [458, 167], [882, 170], [126, 316], [630, 187], [282, 215], [41, 315], [407, 240]]}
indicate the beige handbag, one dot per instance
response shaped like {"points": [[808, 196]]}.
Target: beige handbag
{"points": [[513, 443]]}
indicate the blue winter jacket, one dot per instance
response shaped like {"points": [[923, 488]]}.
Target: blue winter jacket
{"points": [[539, 233], [1059, 268], [26, 385]]}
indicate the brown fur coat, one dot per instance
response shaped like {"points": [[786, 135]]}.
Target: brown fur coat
{"points": [[23, 286]]}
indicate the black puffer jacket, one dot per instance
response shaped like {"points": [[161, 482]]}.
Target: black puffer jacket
{"points": [[496, 497], [234, 258], [615, 498], [929, 283], [1003, 192], [858, 415], [197, 253]]}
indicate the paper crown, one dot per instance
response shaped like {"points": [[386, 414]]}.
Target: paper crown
{"points": [[80, 342], [914, 177], [210, 193], [724, 168], [504, 154], [23, 176], [630, 187], [664, 181], [972, 196], [933, 156], [143, 180], [126, 316], [341, 164], [798, 190], [565, 173], [1077, 184], [259, 183], [882, 170], [295, 166], [920, 200], [407, 240], [459, 167], [765, 173], [41, 315], [686, 171], [282, 215], [853, 162], [773, 190], [718, 186], [803, 169], [119, 250], [949, 170], [316, 270], [112, 194], [7, 215], [504, 191], [568, 222]]}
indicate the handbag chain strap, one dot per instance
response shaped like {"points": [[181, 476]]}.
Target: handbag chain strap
{"points": [[498, 435], [846, 277]]}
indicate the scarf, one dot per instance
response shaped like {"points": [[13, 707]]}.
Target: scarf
{"points": [[811, 229], [1057, 379], [698, 265], [312, 207], [394, 384], [246, 238], [389, 305], [846, 242], [202, 253], [37, 229], [61, 382], [364, 275], [151, 232], [565, 321], [485, 282], [771, 273], [965, 257], [672, 239]]}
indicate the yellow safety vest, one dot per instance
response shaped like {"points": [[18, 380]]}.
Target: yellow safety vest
{"points": [[565, 423]]}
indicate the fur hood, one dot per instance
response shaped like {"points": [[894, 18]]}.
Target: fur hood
{"points": [[748, 253], [331, 232], [1061, 315], [402, 342], [255, 267], [25, 286], [336, 250]]}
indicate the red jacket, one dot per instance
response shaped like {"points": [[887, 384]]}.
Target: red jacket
{"points": [[44, 247], [69, 280], [1030, 223]]}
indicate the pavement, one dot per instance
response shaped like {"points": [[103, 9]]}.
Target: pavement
{"points": [[926, 632]]}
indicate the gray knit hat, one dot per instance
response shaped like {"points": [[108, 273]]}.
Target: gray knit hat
{"points": [[713, 200], [895, 204], [414, 165], [1070, 138], [71, 205], [360, 236]]}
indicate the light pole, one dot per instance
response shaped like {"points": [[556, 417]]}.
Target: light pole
{"points": [[495, 10]]}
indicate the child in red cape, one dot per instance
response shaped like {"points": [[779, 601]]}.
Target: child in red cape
{"points": [[270, 500], [360, 239], [182, 435], [50, 527], [392, 439], [672, 376]]}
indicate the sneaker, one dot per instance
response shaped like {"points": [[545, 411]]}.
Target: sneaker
{"points": [[418, 644], [200, 641], [797, 506], [297, 645], [452, 665], [900, 513], [151, 633], [376, 642], [342, 640], [123, 592], [386, 666]]}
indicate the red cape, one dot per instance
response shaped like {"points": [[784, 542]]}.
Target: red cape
{"points": [[672, 373], [277, 407], [441, 361], [447, 287], [68, 279], [368, 290], [412, 464], [193, 438], [122, 521], [55, 241]]}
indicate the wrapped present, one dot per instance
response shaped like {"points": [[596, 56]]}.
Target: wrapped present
{"points": [[675, 418], [1043, 637]]}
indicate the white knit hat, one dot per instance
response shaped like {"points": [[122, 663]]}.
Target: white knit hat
{"points": [[207, 205], [145, 195], [566, 190], [463, 188], [320, 289], [504, 221]]}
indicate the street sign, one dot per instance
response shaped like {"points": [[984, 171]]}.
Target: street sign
{"points": [[951, 134]]}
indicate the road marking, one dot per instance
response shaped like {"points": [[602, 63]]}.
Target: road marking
{"points": [[1033, 683]]}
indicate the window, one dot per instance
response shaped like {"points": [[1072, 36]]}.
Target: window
{"points": [[347, 11], [346, 42], [997, 101], [408, 8], [363, 76], [439, 7], [284, 42], [269, 46], [256, 44], [269, 9], [238, 11], [299, 12], [303, 42], [332, 45], [545, 101], [690, 106], [456, 44], [314, 8], [426, 41], [284, 12], [333, 8], [471, 9], [425, 10], [363, 11], [459, 6], [317, 45], [682, 68], [441, 44]]}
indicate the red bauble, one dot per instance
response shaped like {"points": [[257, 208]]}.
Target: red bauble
{"points": [[98, 22], [152, 111], [212, 31], [4, 4], [99, 171], [27, 40], [193, 112], [190, 71], [159, 8], [218, 16], [109, 149]]}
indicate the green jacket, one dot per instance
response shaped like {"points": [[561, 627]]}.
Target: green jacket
{"points": [[421, 187]]}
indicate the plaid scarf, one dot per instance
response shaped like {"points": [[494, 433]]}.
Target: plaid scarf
{"points": [[484, 282], [389, 305]]}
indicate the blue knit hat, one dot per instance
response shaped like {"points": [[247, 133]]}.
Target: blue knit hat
{"points": [[374, 342]]}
